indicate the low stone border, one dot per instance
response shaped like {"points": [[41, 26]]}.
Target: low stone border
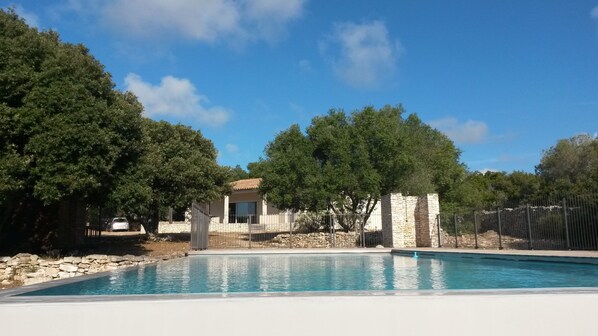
{"points": [[28, 269]]}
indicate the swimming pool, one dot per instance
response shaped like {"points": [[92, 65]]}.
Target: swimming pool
{"points": [[321, 273]]}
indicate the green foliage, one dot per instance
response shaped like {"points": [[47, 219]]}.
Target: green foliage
{"points": [[492, 189], [178, 166], [237, 173], [65, 133], [571, 166], [307, 222], [346, 163]]}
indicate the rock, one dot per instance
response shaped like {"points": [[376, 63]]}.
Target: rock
{"points": [[23, 255], [129, 257], [34, 257], [63, 275], [85, 260], [4, 259], [116, 259], [379, 246], [37, 274], [84, 266], [6, 282], [68, 268], [72, 260], [31, 281], [52, 272], [97, 257]]}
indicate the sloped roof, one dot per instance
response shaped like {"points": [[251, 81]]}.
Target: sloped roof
{"points": [[247, 184]]}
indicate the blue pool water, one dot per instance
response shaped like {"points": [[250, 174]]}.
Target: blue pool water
{"points": [[329, 272]]}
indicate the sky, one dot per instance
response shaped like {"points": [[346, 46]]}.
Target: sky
{"points": [[504, 79]]}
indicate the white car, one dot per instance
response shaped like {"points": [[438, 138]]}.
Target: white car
{"points": [[118, 224]]}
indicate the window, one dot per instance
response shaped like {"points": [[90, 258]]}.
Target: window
{"points": [[242, 212]]}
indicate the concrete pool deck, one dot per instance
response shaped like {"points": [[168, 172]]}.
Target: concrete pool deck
{"points": [[489, 312]]}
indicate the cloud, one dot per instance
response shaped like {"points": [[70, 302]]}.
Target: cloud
{"points": [[30, 18], [362, 55], [469, 132], [236, 21], [305, 66], [486, 170], [232, 148], [175, 97], [594, 13]]}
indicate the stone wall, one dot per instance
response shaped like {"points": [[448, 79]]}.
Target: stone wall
{"points": [[27, 269], [409, 221], [174, 227]]}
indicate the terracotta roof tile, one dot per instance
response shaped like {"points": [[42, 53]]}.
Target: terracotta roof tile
{"points": [[246, 184]]}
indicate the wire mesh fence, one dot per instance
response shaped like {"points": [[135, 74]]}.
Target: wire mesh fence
{"points": [[295, 230], [545, 224]]}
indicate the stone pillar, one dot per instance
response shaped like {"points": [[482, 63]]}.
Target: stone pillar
{"points": [[397, 230], [409, 221], [264, 207], [225, 219], [433, 206]]}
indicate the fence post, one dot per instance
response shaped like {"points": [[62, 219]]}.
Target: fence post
{"points": [[362, 233], [475, 228], [332, 230], [100, 224], [529, 228], [455, 223], [566, 224], [291, 233], [438, 230], [499, 229], [249, 228]]}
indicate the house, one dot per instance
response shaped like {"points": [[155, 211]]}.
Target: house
{"points": [[245, 205]]}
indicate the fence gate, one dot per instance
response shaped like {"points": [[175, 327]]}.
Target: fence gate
{"points": [[200, 222]]}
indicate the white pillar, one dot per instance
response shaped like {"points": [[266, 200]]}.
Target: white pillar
{"points": [[264, 207], [225, 219]]}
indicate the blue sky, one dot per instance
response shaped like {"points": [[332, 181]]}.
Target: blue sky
{"points": [[505, 79]]}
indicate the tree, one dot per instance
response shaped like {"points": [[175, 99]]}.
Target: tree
{"points": [[237, 173], [492, 189], [65, 133], [178, 167], [346, 163], [571, 166]]}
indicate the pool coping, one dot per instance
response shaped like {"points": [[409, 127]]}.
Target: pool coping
{"points": [[573, 257], [9, 296]]}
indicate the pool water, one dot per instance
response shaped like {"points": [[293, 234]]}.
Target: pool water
{"points": [[271, 273]]}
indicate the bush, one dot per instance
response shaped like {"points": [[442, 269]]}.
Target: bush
{"points": [[310, 222]]}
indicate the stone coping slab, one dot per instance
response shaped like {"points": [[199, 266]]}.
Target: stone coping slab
{"points": [[583, 257], [290, 251]]}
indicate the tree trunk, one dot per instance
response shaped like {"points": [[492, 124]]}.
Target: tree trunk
{"points": [[151, 225]]}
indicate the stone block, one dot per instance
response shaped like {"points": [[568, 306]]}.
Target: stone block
{"points": [[68, 268]]}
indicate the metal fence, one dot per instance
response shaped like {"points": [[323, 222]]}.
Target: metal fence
{"points": [[293, 230], [547, 224]]}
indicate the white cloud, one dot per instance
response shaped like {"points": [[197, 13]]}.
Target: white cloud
{"points": [[469, 132], [594, 13], [362, 55], [305, 66], [486, 170], [175, 97], [30, 18], [232, 148], [236, 21]]}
